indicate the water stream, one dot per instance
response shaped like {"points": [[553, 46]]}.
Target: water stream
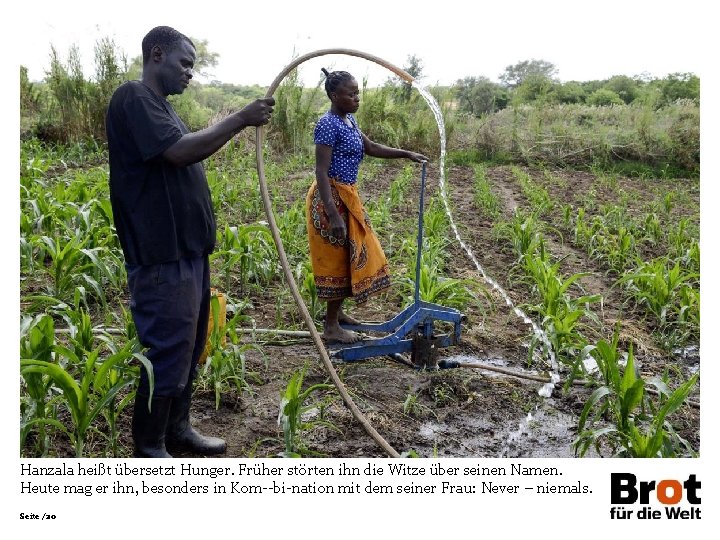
{"points": [[546, 389]]}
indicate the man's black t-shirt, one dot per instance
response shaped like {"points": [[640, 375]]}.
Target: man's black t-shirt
{"points": [[162, 213]]}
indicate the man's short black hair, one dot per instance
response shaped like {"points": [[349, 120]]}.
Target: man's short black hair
{"points": [[165, 37]]}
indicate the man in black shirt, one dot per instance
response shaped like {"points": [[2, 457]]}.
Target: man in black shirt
{"points": [[166, 226]]}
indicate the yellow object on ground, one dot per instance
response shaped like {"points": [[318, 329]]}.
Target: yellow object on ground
{"points": [[218, 311]]}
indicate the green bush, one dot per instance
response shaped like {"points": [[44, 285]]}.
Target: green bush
{"points": [[604, 97]]}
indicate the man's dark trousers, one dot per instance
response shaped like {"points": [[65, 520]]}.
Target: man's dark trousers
{"points": [[170, 304]]}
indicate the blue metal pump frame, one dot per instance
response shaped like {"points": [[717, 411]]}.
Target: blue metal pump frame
{"points": [[415, 320]]}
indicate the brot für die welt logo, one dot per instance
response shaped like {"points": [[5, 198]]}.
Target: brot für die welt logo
{"points": [[679, 499]]}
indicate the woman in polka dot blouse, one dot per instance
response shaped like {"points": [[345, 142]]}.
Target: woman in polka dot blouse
{"points": [[346, 256]]}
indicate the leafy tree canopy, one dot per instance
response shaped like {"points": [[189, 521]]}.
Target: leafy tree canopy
{"points": [[402, 90], [515, 75], [479, 95]]}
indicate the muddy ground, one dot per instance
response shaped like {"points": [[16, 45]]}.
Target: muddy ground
{"points": [[463, 412]]}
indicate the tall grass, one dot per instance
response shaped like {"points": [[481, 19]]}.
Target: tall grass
{"points": [[667, 139], [409, 124], [76, 106], [296, 110]]}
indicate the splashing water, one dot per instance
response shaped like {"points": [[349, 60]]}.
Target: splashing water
{"points": [[515, 436], [546, 389]]}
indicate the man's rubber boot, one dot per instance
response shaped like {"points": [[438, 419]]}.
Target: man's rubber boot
{"points": [[181, 435], [149, 426]]}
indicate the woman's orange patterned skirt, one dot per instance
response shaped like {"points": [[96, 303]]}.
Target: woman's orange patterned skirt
{"points": [[354, 267]]}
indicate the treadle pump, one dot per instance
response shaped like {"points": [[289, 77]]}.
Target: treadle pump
{"points": [[413, 329]]}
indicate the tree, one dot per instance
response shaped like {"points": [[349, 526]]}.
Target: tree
{"points": [[680, 86], [28, 93], [135, 68], [534, 88], [604, 97], [515, 75], [402, 90], [204, 58], [623, 86], [479, 96], [69, 118], [590, 87], [570, 92], [110, 72]]}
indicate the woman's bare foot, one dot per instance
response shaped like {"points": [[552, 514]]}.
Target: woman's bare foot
{"points": [[332, 330], [340, 335]]}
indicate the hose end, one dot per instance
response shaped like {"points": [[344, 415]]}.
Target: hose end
{"points": [[448, 364]]}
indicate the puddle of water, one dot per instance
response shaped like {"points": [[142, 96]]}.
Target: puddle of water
{"points": [[429, 430], [590, 364], [690, 356], [466, 358], [514, 435], [542, 435]]}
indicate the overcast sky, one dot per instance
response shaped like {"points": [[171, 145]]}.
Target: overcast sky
{"points": [[585, 41]]}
